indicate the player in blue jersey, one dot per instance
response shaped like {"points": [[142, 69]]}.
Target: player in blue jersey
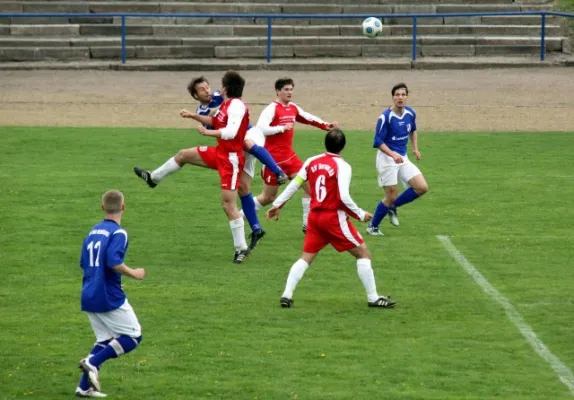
{"points": [[209, 103], [113, 320], [395, 127]]}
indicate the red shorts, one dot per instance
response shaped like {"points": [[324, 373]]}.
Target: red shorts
{"points": [[330, 227], [229, 165], [290, 166]]}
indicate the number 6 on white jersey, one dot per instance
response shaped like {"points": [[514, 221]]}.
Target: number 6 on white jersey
{"points": [[320, 189]]}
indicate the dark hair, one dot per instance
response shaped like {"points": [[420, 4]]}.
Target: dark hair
{"points": [[191, 88], [399, 86], [282, 82], [233, 84], [335, 141]]}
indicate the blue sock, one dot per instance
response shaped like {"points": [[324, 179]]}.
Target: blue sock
{"points": [[84, 382], [263, 155], [379, 214], [248, 206], [405, 197], [122, 345]]}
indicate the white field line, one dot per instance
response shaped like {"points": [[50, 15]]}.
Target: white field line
{"points": [[563, 372]]}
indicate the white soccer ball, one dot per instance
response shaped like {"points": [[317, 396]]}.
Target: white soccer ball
{"points": [[372, 27]]}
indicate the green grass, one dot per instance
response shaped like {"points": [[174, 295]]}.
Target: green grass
{"points": [[214, 330], [566, 5]]}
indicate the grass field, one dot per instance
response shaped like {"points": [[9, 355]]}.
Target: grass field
{"points": [[214, 330]]}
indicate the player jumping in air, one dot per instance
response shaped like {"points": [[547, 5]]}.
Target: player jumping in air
{"points": [[394, 128], [229, 125], [329, 177], [113, 320], [210, 102]]}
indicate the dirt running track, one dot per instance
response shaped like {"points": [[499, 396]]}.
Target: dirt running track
{"points": [[459, 100]]}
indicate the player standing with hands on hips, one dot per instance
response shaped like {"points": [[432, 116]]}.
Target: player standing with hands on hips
{"points": [[395, 127]]}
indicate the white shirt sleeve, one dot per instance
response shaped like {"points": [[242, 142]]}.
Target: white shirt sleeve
{"points": [[344, 182], [307, 118], [235, 114], [265, 120]]}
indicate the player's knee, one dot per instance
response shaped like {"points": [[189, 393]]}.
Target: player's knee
{"points": [[248, 144], [182, 156], [228, 206], [268, 199], [422, 188]]}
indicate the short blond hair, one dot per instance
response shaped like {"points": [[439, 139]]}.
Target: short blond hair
{"points": [[112, 201]]}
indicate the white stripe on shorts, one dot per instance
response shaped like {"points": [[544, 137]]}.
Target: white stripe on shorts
{"points": [[345, 227], [234, 160]]}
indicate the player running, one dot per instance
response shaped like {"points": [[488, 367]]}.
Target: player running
{"points": [[329, 177], [276, 122], [394, 128], [111, 316]]}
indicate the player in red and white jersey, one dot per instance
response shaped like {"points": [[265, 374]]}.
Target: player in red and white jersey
{"points": [[276, 122], [329, 178], [229, 125]]}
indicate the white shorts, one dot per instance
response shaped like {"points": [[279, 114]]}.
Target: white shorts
{"points": [[256, 135], [113, 324], [390, 172]]}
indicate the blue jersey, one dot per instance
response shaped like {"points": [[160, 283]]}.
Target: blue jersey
{"points": [[393, 130], [104, 247], [216, 101]]}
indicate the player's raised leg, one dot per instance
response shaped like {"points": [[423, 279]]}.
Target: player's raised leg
{"points": [[417, 188], [263, 155], [85, 388], [187, 156]]}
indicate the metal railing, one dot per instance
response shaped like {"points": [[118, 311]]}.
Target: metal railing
{"points": [[414, 17]]}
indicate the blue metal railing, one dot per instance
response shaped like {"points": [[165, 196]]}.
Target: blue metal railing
{"points": [[270, 17]]}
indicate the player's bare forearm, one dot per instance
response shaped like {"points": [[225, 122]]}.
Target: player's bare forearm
{"points": [[414, 140], [203, 119], [137, 273], [385, 149]]}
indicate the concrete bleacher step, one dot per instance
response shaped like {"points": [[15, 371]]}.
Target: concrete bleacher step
{"points": [[552, 43], [63, 30], [293, 7], [312, 47]]}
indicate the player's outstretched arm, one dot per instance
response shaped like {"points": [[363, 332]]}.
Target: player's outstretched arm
{"points": [[202, 119], [137, 273], [309, 119]]}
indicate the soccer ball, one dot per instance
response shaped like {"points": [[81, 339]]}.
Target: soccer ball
{"points": [[372, 27]]}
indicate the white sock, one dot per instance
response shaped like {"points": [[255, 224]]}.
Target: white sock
{"points": [[306, 207], [238, 234], [258, 205], [367, 277], [169, 167], [295, 275]]}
